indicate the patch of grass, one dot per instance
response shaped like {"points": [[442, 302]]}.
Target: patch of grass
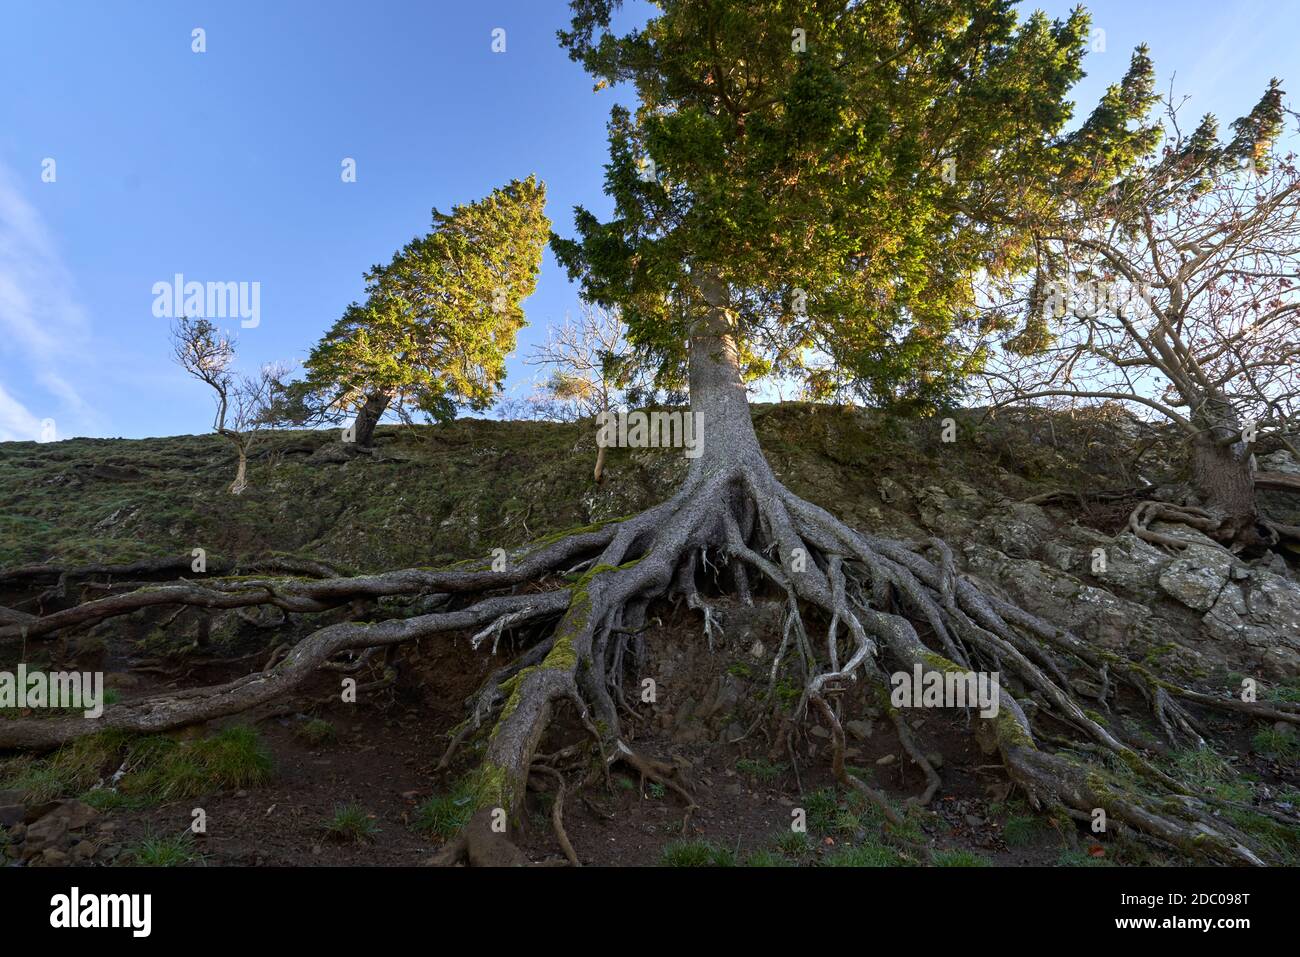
{"points": [[166, 769], [959, 859], [1282, 745], [794, 844], [656, 790], [1022, 829], [38, 782], [1069, 858], [316, 732], [351, 824], [696, 854], [443, 815], [163, 852], [1204, 770], [823, 808], [110, 799], [764, 771], [1288, 692], [866, 855], [766, 858]]}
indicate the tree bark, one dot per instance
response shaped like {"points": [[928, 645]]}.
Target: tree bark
{"points": [[241, 473], [1222, 473], [363, 430], [719, 399]]}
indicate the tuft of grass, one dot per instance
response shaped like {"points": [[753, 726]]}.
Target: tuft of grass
{"points": [[696, 854], [958, 859], [763, 771], [351, 824], [235, 757], [110, 799], [793, 844], [766, 858], [443, 815], [38, 782], [1022, 829], [1282, 745], [1069, 858], [866, 855], [163, 852], [823, 808], [316, 732]]}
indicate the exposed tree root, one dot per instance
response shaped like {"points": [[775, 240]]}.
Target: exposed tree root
{"points": [[733, 521]]}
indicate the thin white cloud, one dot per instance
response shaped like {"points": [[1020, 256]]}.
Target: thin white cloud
{"points": [[43, 329], [16, 420]]}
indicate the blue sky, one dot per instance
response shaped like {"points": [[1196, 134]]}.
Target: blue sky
{"points": [[225, 166]]}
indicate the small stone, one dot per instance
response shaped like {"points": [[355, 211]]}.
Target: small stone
{"points": [[888, 759], [83, 851], [757, 651], [53, 857], [45, 833], [11, 814], [819, 732], [935, 759], [860, 729], [110, 852]]}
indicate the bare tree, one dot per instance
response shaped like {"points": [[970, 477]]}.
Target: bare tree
{"points": [[244, 404], [1179, 294], [591, 368]]}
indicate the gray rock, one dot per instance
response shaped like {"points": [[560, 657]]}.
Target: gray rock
{"points": [[11, 814], [1131, 564], [1198, 576], [1280, 461], [1261, 622], [893, 493]]}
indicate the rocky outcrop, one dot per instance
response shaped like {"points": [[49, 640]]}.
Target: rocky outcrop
{"points": [[1202, 609]]}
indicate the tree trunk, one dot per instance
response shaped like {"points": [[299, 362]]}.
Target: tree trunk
{"points": [[600, 465], [363, 429], [1222, 474], [241, 474], [719, 400]]}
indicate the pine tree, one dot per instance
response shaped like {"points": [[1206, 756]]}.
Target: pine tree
{"points": [[438, 320]]}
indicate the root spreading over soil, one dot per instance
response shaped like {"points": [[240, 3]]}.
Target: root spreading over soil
{"points": [[855, 609]]}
